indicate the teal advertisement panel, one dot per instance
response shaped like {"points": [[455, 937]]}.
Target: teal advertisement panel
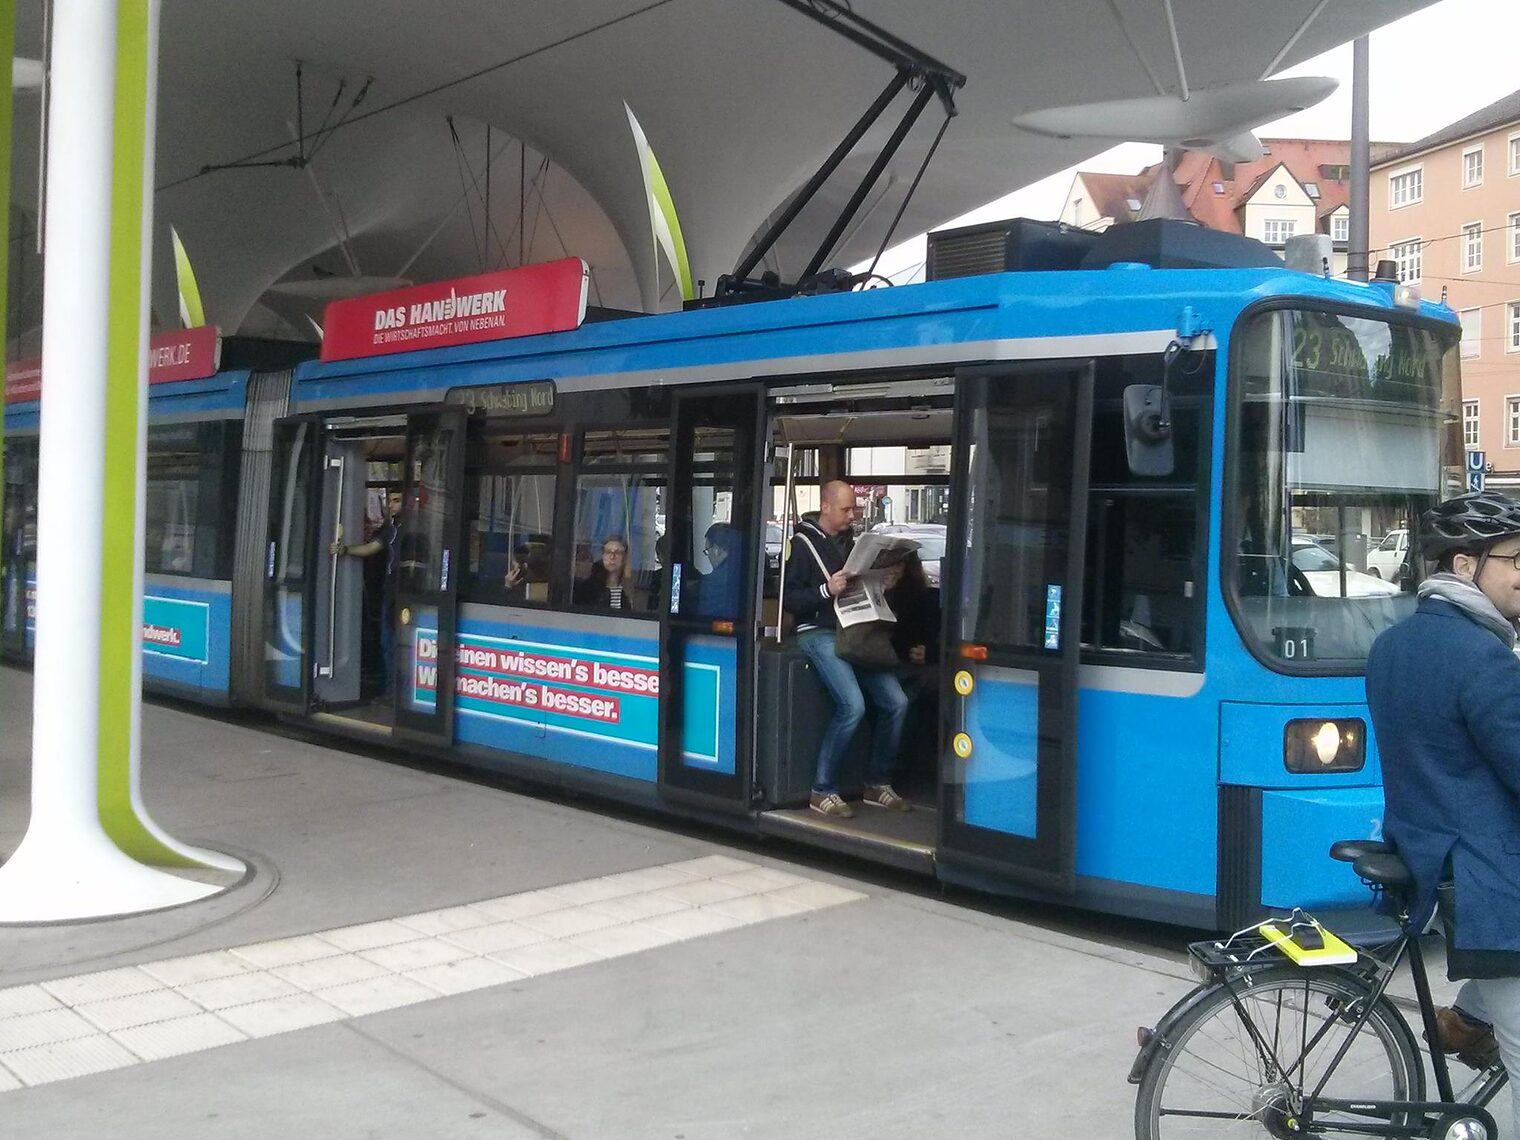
{"points": [[582, 696], [173, 627]]}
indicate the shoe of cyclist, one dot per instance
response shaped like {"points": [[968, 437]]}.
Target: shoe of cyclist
{"points": [[1472, 1041]]}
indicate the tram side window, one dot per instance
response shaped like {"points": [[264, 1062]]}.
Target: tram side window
{"points": [[192, 474], [1145, 545], [619, 503], [18, 555], [510, 480]]}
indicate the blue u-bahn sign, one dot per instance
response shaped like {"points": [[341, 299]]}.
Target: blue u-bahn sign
{"points": [[1477, 463]]}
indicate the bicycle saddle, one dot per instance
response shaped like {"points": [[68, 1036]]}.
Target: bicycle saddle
{"points": [[1350, 850], [1383, 868]]}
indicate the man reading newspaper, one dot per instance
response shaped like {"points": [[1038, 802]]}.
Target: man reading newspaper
{"points": [[818, 572]]}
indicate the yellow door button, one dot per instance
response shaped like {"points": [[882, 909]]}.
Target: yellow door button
{"points": [[962, 745], [406, 616], [963, 683]]}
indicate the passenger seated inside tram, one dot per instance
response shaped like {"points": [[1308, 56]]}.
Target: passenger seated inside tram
{"points": [[609, 584], [719, 593], [916, 606], [527, 577]]}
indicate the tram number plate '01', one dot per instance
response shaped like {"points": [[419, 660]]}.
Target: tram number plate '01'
{"points": [[532, 398]]}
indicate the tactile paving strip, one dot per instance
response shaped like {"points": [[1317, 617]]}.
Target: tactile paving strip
{"points": [[71, 1027]]}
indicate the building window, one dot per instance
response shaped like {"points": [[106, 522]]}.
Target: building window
{"points": [[1512, 335], [1472, 332], [1514, 237], [1312, 189], [1275, 231], [1470, 424], [1340, 227], [1512, 421], [1406, 257], [1407, 188], [1472, 247], [1472, 167], [1514, 154]]}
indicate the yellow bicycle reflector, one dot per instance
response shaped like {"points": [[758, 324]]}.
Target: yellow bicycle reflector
{"points": [[963, 683], [962, 745]]}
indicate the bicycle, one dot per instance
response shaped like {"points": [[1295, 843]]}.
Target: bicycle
{"points": [[1267, 1044]]}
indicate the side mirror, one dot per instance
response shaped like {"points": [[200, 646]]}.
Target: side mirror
{"points": [[1148, 431]]}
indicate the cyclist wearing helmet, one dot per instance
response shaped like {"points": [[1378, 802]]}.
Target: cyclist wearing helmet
{"points": [[1443, 687]]}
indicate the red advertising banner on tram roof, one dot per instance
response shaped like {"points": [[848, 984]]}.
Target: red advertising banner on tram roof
{"points": [[550, 297], [180, 354]]}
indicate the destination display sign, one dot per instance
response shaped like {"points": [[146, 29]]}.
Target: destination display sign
{"points": [[180, 354], [550, 297], [531, 398], [1359, 358]]}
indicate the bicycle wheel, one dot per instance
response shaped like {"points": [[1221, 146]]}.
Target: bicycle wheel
{"points": [[1221, 1078]]}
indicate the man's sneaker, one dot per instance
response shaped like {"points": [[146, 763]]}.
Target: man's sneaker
{"points": [[829, 803], [882, 796], [1472, 1041]]}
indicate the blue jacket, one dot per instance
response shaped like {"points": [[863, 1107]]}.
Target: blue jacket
{"points": [[1445, 699]]}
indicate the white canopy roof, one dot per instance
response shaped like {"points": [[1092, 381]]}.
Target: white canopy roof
{"points": [[740, 99]]}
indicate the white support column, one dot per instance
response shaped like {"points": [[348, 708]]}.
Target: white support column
{"points": [[190, 853], [67, 867]]}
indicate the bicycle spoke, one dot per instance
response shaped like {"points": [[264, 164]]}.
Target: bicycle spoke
{"points": [[1242, 1063]]}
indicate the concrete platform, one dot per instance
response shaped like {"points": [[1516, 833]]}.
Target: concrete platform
{"points": [[421, 956]]}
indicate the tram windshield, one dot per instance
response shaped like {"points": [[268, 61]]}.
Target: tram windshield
{"points": [[1345, 429]]}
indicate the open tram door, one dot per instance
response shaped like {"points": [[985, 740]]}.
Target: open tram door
{"points": [[368, 639], [710, 555], [1008, 766]]}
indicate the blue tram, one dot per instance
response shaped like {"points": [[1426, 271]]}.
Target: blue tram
{"points": [[1146, 497]]}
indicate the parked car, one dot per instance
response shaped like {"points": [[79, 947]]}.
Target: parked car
{"points": [[1321, 571], [1387, 559]]}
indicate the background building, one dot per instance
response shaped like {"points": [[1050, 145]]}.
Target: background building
{"points": [[1297, 186], [1446, 210]]}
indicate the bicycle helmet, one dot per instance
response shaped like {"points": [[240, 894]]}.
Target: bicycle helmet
{"points": [[1468, 524]]}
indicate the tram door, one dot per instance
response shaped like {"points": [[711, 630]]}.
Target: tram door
{"points": [[369, 637], [1013, 632], [711, 554], [289, 563], [427, 571]]}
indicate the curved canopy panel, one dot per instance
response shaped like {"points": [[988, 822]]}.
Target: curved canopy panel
{"points": [[741, 100]]}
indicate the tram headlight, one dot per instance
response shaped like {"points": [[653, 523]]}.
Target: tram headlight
{"points": [[1325, 745]]}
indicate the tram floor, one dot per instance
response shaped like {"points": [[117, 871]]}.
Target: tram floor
{"points": [[905, 840]]}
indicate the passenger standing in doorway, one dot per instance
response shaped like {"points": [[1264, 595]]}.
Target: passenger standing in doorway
{"points": [[808, 595], [386, 539]]}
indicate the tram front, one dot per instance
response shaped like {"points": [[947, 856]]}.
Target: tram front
{"points": [[1344, 425]]}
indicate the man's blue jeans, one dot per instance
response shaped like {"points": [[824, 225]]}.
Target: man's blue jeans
{"points": [[851, 688]]}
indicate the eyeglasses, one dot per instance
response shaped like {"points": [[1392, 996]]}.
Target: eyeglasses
{"points": [[613, 552], [1512, 559]]}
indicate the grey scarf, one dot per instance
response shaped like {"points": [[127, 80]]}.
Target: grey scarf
{"points": [[1472, 601]]}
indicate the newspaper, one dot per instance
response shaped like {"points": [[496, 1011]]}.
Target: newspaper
{"points": [[865, 598]]}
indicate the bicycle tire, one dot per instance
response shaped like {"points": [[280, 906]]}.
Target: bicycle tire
{"points": [[1209, 1056]]}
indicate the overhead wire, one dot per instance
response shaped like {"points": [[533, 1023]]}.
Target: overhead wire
{"points": [[437, 88]]}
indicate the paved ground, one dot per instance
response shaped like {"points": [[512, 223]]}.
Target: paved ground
{"points": [[416, 956]]}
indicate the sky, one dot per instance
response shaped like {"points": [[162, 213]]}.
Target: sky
{"points": [[1426, 70]]}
